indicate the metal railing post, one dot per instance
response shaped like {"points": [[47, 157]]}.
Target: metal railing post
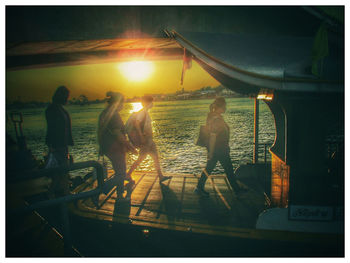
{"points": [[66, 233], [256, 131]]}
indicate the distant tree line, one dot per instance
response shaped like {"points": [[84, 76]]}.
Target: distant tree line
{"points": [[81, 100], [19, 104]]}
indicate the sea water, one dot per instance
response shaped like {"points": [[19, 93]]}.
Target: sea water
{"points": [[175, 130]]}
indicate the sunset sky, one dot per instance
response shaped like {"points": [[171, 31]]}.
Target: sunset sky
{"points": [[94, 80]]}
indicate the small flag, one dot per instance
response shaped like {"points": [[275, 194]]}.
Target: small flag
{"points": [[187, 64]]}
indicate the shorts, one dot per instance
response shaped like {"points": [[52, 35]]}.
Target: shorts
{"points": [[148, 147]]}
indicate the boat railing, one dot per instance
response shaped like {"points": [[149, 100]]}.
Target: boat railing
{"points": [[64, 199], [265, 146]]}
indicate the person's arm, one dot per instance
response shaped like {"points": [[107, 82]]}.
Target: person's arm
{"points": [[139, 131], [216, 128], [211, 146], [117, 129], [53, 129], [139, 118], [122, 139]]}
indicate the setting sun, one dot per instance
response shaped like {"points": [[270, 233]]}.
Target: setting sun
{"points": [[136, 70]]}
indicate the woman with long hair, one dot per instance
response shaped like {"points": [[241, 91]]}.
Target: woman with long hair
{"points": [[218, 147], [112, 139]]}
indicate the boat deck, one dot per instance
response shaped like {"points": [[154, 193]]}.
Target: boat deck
{"points": [[169, 219], [173, 205]]}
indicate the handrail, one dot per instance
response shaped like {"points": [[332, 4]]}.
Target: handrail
{"points": [[64, 199], [70, 197], [56, 201], [33, 174]]}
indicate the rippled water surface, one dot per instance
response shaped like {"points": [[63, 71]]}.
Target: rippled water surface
{"points": [[175, 127]]}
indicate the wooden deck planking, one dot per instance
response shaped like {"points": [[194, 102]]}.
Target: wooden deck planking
{"points": [[195, 214], [175, 203]]}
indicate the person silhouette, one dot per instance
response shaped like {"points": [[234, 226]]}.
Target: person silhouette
{"points": [[218, 147], [112, 140], [59, 137], [143, 138]]}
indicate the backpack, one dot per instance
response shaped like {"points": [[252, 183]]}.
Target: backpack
{"points": [[131, 129]]}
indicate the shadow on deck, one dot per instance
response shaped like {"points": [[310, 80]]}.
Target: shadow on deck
{"points": [[174, 205]]}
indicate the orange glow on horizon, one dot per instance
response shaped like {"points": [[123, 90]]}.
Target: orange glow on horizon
{"points": [[94, 80]]}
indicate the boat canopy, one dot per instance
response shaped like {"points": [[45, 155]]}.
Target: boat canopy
{"points": [[247, 63], [244, 48], [76, 52]]}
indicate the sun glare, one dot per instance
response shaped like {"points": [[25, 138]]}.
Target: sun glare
{"points": [[136, 106], [136, 70]]}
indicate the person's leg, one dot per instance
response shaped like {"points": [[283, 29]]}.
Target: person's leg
{"points": [[226, 163], [211, 163], [60, 181], [142, 156], [119, 166], [153, 152]]}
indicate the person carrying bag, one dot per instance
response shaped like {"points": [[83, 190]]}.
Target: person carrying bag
{"points": [[215, 138], [139, 129]]}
